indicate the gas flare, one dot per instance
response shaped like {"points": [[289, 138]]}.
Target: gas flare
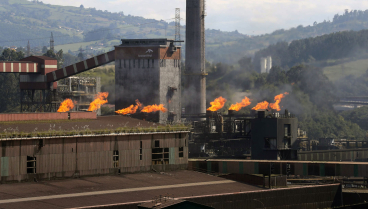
{"points": [[261, 105], [66, 105], [278, 98], [132, 109], [217, 104], [100, 99], [245, 102], [154, 108]]}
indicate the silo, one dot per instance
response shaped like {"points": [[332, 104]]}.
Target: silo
{"points": [[269, 64], [263, 65], [194, 96]]}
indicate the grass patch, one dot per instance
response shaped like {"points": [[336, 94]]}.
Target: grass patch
{"points": [[42, 121], [121, 130], [355, 68]]}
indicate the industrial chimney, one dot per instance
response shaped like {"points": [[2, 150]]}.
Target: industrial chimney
{"points": [[195, 71]]}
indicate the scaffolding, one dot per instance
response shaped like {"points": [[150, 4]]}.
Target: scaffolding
{"points": [[82, 90]]}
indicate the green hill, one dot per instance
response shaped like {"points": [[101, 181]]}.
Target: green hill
{"points": [[73, 27], [354, 68]]}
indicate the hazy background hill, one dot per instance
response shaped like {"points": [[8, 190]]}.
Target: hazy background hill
{"points": [[93, 29]]}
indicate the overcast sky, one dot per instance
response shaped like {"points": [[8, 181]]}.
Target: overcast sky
{"points": [[247, 16]]}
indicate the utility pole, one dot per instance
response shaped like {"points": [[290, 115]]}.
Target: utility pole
{"points": [[52, 42], [28, 49]]}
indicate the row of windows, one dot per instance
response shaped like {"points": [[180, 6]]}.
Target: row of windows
{"points": [[144, 63], [132, 63]]}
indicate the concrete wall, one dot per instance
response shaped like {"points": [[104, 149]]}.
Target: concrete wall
{"points": [[195, 83], [136, 79], [149, 73], [81, 156], [170, 76]]}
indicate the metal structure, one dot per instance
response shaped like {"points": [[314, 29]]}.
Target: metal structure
{"points": [[28, 49], [79, 89], [92, 155], [177, 25], [214, 134], [268, 135], [195, 70], [38, 101], [52, 48]]}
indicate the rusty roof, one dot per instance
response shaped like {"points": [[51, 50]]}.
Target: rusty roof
{"points": [[119, 189]]}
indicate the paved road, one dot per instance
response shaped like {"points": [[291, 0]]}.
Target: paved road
{"points": [[17, 200]]}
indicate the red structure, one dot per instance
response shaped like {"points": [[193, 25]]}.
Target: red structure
{"points": [[38, 76]]}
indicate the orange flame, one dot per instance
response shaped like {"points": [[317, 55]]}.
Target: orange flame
{"points": [[261, 105], [245, 102], [154, 108], [66, 105], [278, 98], [100, 99], [132, 109], [217, 104]]}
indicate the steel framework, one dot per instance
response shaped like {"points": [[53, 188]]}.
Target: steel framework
{"points": [[177, 26], [38, 101]]}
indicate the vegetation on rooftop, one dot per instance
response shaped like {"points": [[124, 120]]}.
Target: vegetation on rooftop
{"points": [[8, 134]]}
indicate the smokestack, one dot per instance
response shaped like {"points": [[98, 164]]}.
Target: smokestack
{"points": [[195, 57]]}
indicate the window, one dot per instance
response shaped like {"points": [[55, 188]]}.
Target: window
{"points": [[41, 143], [157, 143], [124, 64], [160, 156], [31, 164], [181, 151], [133, 63], [142, 63], [140, 151], [115, 158], [139, 63], [120, 64], [287, 129], [270, 143], [153, 63]]}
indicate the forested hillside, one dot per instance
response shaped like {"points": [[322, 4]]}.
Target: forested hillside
{"points": [[233, 51], [23, 20], [327, 48]]}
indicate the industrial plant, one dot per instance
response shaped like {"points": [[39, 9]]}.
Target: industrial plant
{"points": [[164, 147]]}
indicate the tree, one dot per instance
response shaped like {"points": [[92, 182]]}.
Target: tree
{"points": [[81, 6], [44, 49], [11, 55], [246, 64], [9, 82], [81, 55]]}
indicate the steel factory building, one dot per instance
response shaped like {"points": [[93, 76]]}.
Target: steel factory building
{"points": [[149, 70], [46, 157]]}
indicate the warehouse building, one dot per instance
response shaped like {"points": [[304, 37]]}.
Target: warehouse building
{"points": [[74, 154]]}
